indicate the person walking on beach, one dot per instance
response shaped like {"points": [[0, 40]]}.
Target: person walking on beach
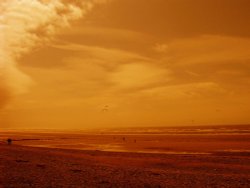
{"points": [[9, 141]]}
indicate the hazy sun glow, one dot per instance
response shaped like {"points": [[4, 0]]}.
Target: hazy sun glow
{"points": [[116, 63]]}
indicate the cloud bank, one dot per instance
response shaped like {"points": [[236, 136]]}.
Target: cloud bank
{"points": [[26, 24]]}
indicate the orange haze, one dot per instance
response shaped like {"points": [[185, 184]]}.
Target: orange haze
{"points": [[119, 63]]}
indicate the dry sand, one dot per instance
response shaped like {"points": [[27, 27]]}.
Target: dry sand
{"points": [[22, 166]]}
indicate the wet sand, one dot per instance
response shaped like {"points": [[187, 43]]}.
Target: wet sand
{"points": [[173, 157], [23, 166]]}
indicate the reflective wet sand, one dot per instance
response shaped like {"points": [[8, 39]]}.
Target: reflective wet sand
{"points": [[125, 158]]}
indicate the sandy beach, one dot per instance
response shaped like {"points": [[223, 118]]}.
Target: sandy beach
{"points": [[23, 166]]}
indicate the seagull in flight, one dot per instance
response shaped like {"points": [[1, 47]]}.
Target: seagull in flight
{"points": [[105, 108]]}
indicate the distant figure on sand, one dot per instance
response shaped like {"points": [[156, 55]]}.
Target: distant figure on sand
{"points": [[9, 141]]}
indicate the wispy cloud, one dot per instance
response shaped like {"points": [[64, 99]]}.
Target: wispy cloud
{"points": [[25, 24]]}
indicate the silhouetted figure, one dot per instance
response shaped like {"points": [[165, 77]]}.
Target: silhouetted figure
{"points": [[134, 140], [123, 139], [9, 141]]}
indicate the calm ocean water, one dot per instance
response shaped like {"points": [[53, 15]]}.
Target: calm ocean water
{"points": [[179, 140]]}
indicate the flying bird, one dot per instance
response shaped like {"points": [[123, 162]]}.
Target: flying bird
{"points": [[105, 108]]}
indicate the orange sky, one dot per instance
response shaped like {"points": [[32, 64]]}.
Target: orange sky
{"points": [[116, 63]]}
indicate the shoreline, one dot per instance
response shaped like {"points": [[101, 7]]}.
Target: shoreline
{"points": [[240, 152]]}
